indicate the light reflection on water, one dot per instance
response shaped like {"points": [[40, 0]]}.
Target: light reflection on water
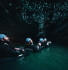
{"points": [[54, 58]]}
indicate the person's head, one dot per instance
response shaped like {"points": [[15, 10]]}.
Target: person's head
{"points": [[45, 39], [3, 37], [29, 41], [41, 40], [6, 38]]}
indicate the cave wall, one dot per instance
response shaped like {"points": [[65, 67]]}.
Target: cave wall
{"points": [[28, 18]]}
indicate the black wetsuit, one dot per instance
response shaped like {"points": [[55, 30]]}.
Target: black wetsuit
{"points": [[42, 45], [32, 48], [7, 51]]}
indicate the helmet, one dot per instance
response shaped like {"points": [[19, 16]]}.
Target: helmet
{"points": [[2, 36], [45, 39], [41, 39], [28, 40]]}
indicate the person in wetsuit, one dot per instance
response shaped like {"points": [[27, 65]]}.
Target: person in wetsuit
{"points": [[44, 42], [30, 46], [5, 49], [41, 43]]}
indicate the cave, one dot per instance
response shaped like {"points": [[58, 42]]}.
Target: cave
{"points": [[21, 19]]}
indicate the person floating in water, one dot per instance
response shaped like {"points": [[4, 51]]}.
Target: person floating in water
{"points": [[43, 42], [30, 45], [5, 49]]}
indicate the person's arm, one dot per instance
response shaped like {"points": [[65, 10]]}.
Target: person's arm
{"points": [[39, 44], [19, 49], [31, 42]]}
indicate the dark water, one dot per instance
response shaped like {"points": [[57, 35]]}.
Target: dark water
{"points": [[53, 58]]}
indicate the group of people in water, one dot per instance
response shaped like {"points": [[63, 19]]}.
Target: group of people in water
{"points": [[6, 50]]}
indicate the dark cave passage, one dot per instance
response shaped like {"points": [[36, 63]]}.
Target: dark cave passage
{"points": [[20, 19]]}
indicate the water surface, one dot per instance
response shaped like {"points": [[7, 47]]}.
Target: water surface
{"points": [[54, 57]]}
